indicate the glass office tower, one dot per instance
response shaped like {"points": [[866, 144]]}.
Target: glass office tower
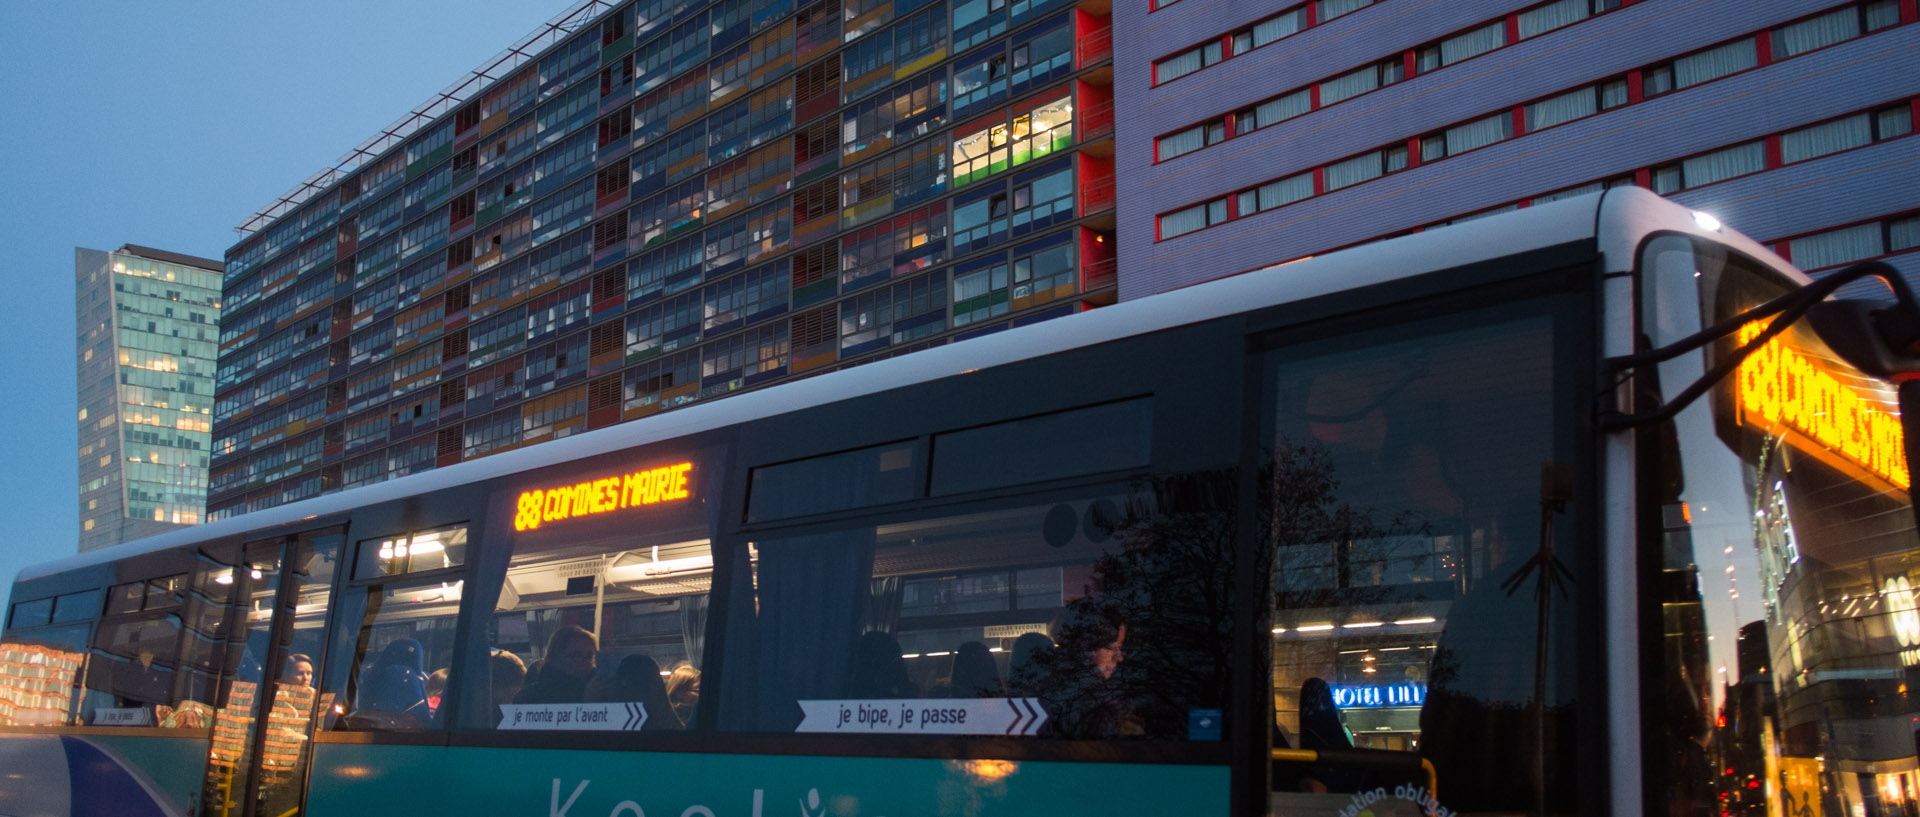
{"points": [[147, 330]]}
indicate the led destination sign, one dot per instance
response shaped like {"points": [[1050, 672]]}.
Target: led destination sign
{"points": [[604, 495], [1783, 386]]}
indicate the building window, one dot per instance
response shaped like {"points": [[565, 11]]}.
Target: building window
{"points": [[1559, 14], [1462, 138], [1199, 216], [1045, 275], [1043, 56], [1707, 168], [979, 220], [1030, 135], [1278, 109], [979, 83], [976, 21], [1712, 64], [980, 291], [1855, 243], [1351, 84], [1329, 9], [1187, 62], [1270, 29], [1835, 26], [1190, 140], [1575, 104], [1043, 201], [1276, 193]]}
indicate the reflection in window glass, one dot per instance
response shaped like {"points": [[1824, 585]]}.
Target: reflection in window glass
{"points": [[414, 552], [79, 606], [40, 672], [1104, 609], [31, 613], [1409, 537], [296, 698], [1791, 632], [252, 582], [136, 652]]}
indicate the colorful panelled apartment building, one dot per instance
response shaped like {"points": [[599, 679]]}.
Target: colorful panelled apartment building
{"points": [[147, 326], [647, 204]]}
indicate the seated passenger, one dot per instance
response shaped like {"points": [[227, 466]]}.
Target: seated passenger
{"points": [[436, 685], [293, 701], [974, 673], [1025, 666], [879, 673], [1081, 690], [683, 692], [638, 681], [506, 675], [298, 671], [565, 670], [1320, 723]]}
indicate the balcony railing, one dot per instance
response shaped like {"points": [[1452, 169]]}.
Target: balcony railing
{"points": [[1097, 275], [1096, 120], [1095, 46], [1096, 195]]}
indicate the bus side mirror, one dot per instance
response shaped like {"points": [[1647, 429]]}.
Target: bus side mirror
{"points": [[1880, 338]]}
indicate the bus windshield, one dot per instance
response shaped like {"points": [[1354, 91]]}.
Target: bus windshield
{"points": [[1778, 514]]}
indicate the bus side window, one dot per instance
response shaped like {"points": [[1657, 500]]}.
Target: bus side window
{"points": [[43, 661], [407, 633], [1422, 555], [135, 654], [1075, 605], [606, 607], [399, 631]]}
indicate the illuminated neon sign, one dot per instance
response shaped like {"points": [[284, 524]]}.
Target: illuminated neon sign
{"points": [[605, 495], [1782, 386], [1379, 695]]}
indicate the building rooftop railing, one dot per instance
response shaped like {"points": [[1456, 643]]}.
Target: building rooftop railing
{"points": [[463, 89]]}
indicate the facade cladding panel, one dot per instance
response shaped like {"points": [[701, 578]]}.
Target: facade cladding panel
{"points": [[147, 327], [1815, 202], [661, 203], [1874, 69]]}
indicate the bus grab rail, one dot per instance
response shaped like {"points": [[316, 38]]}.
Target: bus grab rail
{"points": [[1367, 758]]}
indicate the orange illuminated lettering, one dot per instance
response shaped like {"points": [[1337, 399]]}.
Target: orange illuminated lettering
{"points": [[1783, 386], [603, 495]]}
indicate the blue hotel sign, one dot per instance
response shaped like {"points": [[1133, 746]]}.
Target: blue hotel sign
{"points": [[1379, 695]]}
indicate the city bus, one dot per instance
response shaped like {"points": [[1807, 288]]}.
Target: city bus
{"points": [[1564, 511]]}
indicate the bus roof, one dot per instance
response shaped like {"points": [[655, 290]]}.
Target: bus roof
{"points": [[1530, 228]]}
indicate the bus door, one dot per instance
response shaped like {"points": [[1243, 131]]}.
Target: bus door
{"points": [[275, 607]]}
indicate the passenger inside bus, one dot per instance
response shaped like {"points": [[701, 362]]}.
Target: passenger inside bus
{"points": [[436, 686], [298, 671], [638, 681], [1081, 690], [683, 692], [565, 669], [974, 673], [507, 674], [879, 671]]}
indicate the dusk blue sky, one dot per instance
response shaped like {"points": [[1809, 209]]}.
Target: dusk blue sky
{"points": [[166, 124]]}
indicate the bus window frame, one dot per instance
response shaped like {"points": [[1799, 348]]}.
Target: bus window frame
{"points": [[1566, 281]]}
